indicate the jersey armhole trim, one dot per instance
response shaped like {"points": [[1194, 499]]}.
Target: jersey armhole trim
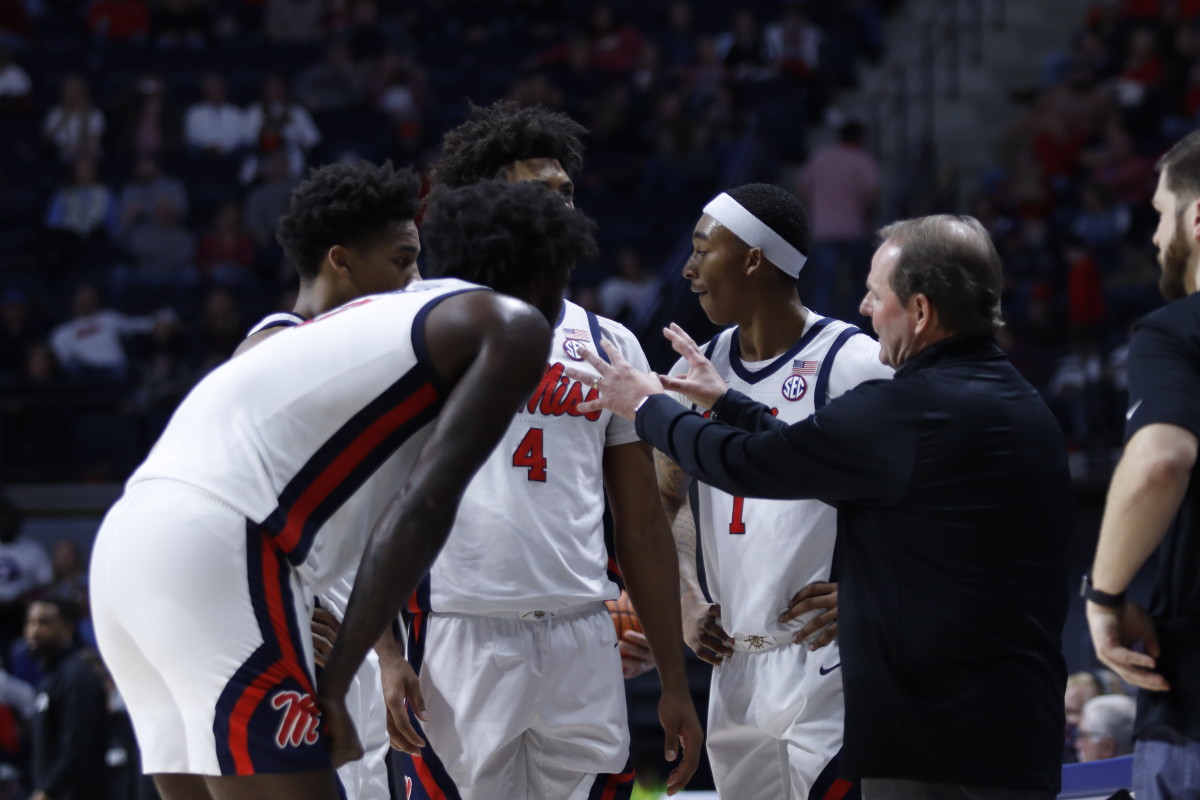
{"points": [[822, 390]]}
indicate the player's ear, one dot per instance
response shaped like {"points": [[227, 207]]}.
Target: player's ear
{"points": [[754, 260], [338, 258]]}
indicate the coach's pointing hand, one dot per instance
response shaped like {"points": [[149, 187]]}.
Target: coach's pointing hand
{"points": [[622, 386]]}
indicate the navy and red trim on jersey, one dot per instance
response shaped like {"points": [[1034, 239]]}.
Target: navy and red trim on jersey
{"points": [[428, 776], [822, 390], [597, 335], [246, 725], [828, 786], [349, 458], [280, 319], [609, 786], [754, 376]]}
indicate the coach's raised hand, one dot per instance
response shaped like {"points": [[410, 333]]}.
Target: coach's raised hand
{"points": [[622, 386], [702, 384]]}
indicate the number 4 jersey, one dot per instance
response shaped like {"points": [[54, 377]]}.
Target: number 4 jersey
{"points": [[529, 533], [758, 553]]}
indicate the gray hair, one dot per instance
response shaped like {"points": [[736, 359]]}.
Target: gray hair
{"points": [[951, 260], [1111, 715]]}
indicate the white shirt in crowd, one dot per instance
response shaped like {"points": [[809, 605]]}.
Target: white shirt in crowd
{"points": [[221, 127], [95, 340], [24, 566]]}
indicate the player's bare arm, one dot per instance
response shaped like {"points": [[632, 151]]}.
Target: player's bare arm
{"points": [[1147, 487], [646, 555], [492, 349], [702, 630]]}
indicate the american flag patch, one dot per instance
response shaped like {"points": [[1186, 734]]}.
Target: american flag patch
{"points": [[574, 333], [805, 367]]}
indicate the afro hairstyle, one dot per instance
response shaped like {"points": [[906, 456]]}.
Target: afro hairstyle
{"points": [[497, 135], [779, 210], [348, 204], [503, 235]]}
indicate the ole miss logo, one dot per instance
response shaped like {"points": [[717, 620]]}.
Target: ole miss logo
{"points": [[301, 723], [794, 387]]}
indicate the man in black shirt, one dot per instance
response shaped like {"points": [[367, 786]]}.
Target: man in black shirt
{"points": [[1155, 498], [70, 710], [953, 500]]}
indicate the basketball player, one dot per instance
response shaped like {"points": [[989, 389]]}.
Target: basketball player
{"points": [[255, 499], [350, 232], [775, 709], [510, 629]]}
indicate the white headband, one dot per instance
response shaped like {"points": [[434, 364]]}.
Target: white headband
{"points": [[754, 232]]}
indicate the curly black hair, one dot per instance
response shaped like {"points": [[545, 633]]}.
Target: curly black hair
{"points": [[503, 234], [347, 204], [779, 210], [497, 135]]}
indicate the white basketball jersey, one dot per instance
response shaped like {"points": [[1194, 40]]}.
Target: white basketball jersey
{"points": [[311, 433], [759, 553], [529, 533]]}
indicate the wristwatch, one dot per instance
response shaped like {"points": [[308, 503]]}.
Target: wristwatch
{"points": [[1094, 595]]}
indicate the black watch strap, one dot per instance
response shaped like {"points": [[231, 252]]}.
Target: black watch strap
{"points": [[1094, 595]]}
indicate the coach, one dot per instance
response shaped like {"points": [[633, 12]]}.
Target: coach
{"points": [[953, 501]]}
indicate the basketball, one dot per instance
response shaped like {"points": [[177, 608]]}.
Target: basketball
{"points": [[623, 616]]}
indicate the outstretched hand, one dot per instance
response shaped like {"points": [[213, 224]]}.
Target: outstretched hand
{"points": [[622, 386], [702, 384]]}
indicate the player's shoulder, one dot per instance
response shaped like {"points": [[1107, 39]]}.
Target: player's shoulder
{"points": [[279, 319], [1179, 319], [601, 327]]}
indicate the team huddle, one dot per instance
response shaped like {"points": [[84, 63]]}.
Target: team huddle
{"points": [[381, 523]]}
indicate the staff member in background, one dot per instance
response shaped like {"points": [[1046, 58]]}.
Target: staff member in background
{"points": [[953, 500], [1155, 498]]}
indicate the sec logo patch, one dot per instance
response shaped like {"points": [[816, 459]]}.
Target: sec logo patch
{"points": [[794, 387], [574, 349]]}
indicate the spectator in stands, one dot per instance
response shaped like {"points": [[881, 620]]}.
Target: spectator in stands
{"points": [[89, 345], [840, 185], [1106, 728], [181, 23], [226, 253], [742, 49], [141, 195], [613, 46], [295, 21], [70, 573], [215, 125], [74, 126], [268, 202], [69, 740], [332, 84], [793, 44], [15, 23], [277, 122], [624, 292], [163, 249], [398, 90], [677, 39], [1128, 175], [146, 122], [222, 327], [118, 20], [20, 329], [24, 571], [1081, 687], [15, 85], [84, 207]]}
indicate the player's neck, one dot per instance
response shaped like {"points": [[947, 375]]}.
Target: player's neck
{"points": [[771, 328], [314, 299]]}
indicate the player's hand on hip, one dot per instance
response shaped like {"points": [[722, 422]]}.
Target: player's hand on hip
{"points": [[621, 385], [1115, 631], [822, 628], [702, 384], [703, 633], [402, 693], [342, 736], [325, 627], [677, 713], [636, 658]]}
